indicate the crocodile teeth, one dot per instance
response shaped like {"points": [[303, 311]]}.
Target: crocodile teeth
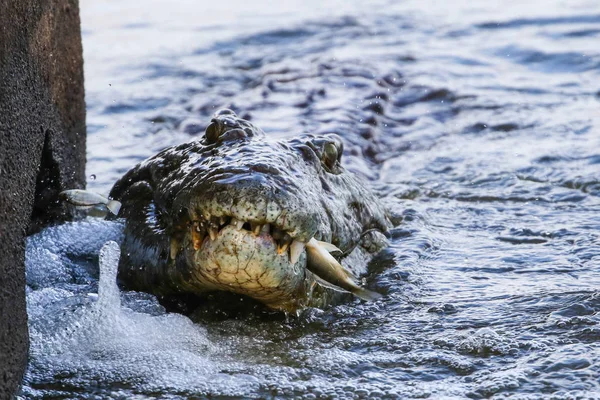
{"points": [[255, 228], [213, 232], [282, 248], [266, 228], [296, 250], [238, 224], [285, 243], [197, 235]]}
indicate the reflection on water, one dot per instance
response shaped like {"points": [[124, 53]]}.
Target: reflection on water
{"points": [[479, 126]]}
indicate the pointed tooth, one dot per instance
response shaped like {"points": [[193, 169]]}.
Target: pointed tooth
{"points": [[213, 228], [222, 220], [197, 235], [296, 250], [238, 224], [174, 248], [285, 243], [282, 248], [266, 228], [255, 228]]}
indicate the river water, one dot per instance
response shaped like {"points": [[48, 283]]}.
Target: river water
{"points": [[478, 124]]}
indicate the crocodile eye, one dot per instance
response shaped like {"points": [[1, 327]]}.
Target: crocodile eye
{"points": [[213, 131], [330, 155]]}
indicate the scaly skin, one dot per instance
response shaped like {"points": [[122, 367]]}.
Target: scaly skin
{"points": [[279, 191]]}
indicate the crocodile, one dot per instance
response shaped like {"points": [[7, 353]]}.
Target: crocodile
{"points": [[237, 211]]}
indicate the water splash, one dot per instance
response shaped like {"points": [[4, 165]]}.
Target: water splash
{"points": [[108, 292], [81, 338]]}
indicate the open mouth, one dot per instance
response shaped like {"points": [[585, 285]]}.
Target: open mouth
{"points": [[205, 229], [265, 261]]}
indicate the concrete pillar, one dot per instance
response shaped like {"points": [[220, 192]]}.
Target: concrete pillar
{"points": [[42, 148]]}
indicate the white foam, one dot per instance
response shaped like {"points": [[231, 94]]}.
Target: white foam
{"points": [[50, 252], [77, 238], [80, 339], [45, 268]]}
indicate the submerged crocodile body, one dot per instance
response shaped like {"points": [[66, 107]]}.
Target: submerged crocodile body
{"points": [[234, 211]]}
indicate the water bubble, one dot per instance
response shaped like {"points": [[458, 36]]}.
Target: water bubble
{"points": [[93, 177]]}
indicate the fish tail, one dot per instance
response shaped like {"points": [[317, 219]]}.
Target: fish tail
{"points": [[366, 294], [113, 206]]}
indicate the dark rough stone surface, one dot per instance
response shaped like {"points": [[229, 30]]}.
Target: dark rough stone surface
{"points": [[42, 148]]}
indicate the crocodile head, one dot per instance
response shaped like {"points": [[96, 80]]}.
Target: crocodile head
{"points": [[235, 211]]}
